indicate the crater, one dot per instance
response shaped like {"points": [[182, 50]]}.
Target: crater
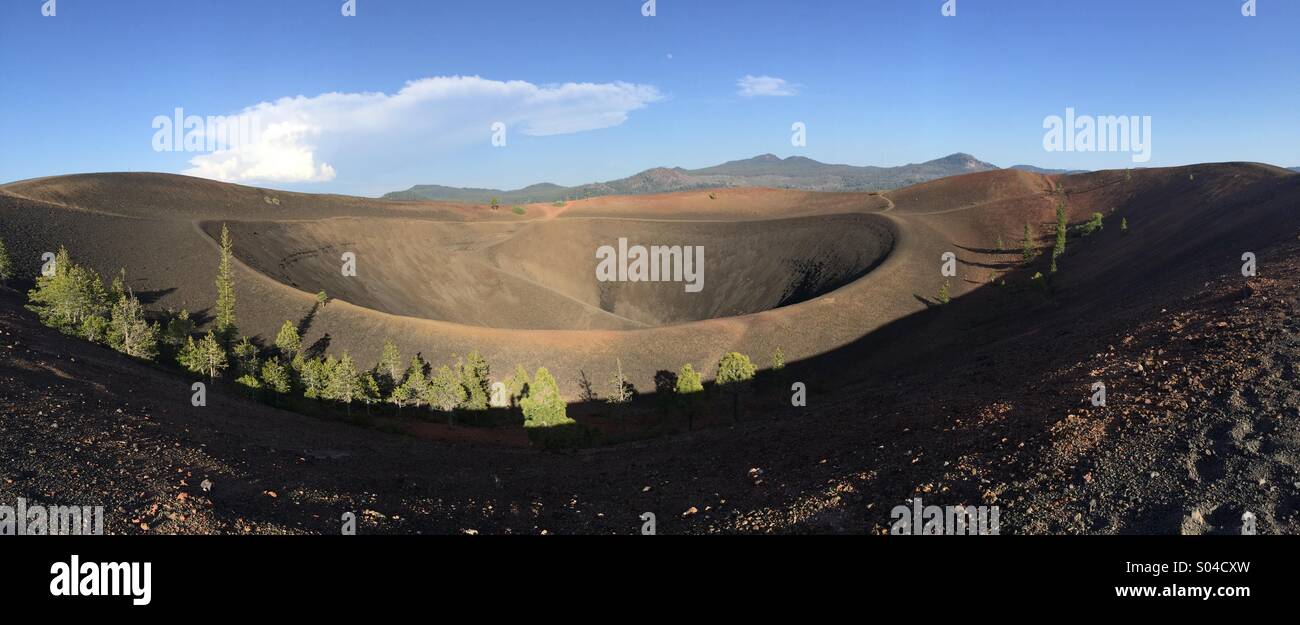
{"points": [[542, 274]]}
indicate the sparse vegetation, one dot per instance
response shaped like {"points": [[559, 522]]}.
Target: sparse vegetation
{"points": [[1027, 249], [6, 265], [129, 332], [287, 342], [517, 209], [1094, 224], [476, 377], [734, 372], [1061, 225], [225, 315], [445, 392], [687, 388]]}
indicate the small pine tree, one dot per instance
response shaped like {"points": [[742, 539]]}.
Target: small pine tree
{"points": [[1027, 249], [129, 332], [225, 318], [944, 296], [118, 287], [415, 381], [445, 392], [6, 265], [495, 204], [687, 388], [544, 407], [778, 359], [94, 329], [275, 376], [1123, 224], [734, 372], [209, 356], [389, 367], [368, 391], [476, 378], [313, 375], [65, 300], [287, 341], [1093, 225], [322, 299], [1061, 225], [342, 386], [179, 327], [517, 384]]}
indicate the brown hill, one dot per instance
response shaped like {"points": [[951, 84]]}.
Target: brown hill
{"points": [[982, 400]]}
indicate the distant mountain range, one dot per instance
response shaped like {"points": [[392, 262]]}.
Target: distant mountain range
{"points": [[767, 170], [1296, 169]]}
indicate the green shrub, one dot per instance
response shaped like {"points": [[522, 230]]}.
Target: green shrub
{"points": [[1093, 225], [518, 210]]}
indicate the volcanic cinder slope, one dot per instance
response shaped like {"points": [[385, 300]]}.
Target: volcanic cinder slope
{"points": [[799, 271], [982, 400]]}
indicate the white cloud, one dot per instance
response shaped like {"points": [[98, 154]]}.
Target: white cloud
{"points": [[755, 86], [300, 136]]}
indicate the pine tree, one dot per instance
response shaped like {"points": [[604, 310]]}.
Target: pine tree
{"points": [[476, 378], [313, 375], [1027, 249], [275, 376], [415, 381], [342, 386], [1123, 224], [944, 296], [225, 319], [129, 332], [687, 389], [1061, 223], [544, 407], [517, 384], [734, 371], [244, 354], [368, 391], [778, 359], [445, 392], [65, 300], [287, 340], [179, 327], [210, 356], [390, 365], [6, 265]]}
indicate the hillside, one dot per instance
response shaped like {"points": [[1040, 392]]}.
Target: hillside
{"points": [[984, 399]]}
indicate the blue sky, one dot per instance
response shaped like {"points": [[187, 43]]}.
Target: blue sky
{"points": [[877, 82]]}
